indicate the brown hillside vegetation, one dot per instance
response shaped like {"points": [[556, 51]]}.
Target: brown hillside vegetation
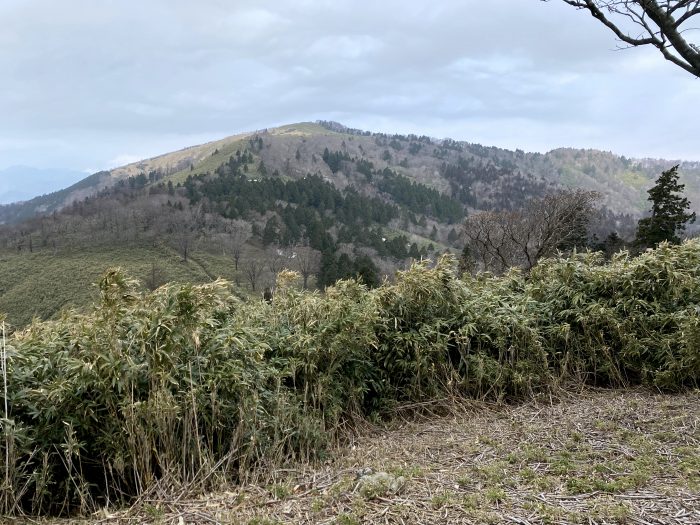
{"points": [[599, 457]]}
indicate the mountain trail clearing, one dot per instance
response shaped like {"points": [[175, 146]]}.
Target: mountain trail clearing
{"points": [[603, 456]]}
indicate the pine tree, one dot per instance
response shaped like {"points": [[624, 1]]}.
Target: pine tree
{"points": [[669, 212], [467, 264], [271, 232], [367, 271], [433, 233], [328, 270], [613, 243]]}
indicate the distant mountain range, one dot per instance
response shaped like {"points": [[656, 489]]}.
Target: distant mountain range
{"points": [[21, 183]]}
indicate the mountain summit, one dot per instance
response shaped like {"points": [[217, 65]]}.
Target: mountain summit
{"points": [[437, 163]]}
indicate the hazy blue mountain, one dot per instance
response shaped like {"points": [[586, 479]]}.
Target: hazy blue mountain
{"points": [[21, 183]]}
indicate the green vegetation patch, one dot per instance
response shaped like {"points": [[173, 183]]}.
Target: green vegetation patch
{"points": [[151, 389], [209, 164], [66, 279], [635, 179]]}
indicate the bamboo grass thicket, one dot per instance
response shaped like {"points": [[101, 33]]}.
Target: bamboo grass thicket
{"points": [[192, 388], [6, 414], [4, 369]]}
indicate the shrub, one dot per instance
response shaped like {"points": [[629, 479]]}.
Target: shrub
{"points": [[188, 385]]}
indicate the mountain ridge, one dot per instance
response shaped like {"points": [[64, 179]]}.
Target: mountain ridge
{"points": [[570, 167]]}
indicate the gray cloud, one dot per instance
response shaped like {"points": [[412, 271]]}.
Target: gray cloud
{"points": [[88, 83]]}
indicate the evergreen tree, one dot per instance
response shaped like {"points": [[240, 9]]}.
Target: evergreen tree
{"points": [[328, 269], [345, 267], [467, 264], [613, 243], [452, 236], [433, 233], [669, 212], [271, 232], [367, 271]]}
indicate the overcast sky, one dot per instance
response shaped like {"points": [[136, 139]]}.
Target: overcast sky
{"points": [[89, 84]]}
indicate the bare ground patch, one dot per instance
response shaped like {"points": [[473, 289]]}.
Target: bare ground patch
{"points": [[596, 457]]}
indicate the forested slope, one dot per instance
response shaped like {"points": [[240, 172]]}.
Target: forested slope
{"points": [[320, 198]]}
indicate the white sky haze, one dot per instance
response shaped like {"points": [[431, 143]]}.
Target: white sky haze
{"points": [[93, 84]]}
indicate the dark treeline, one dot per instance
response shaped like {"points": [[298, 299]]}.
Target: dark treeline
{"points": [[305, 209], [419, 198], [382, 137], [235, 196], [333, 268]]}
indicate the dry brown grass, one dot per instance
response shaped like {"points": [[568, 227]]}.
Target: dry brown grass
{"points": [[596, 457]]}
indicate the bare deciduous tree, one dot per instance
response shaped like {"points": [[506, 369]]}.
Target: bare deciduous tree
{"points": [[253, 270], [276, 259], [185, 228], [237, 233], [658, 23], [307, 261], [155, 277], [489, 239], [501, 240]]}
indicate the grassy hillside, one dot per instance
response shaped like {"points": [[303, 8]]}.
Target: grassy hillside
{"points": [[217, 153], [207, 157], [43, 283]]}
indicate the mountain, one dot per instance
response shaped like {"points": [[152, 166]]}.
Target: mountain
{"points": [[17, 212], [621, 181], [321, 198], [21, 183]]}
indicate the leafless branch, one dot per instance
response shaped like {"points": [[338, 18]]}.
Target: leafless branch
{"points": [[500, 240], [662, 25]]}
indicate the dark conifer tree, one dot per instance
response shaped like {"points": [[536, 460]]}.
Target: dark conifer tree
{"points": [[669, 212], [367, 271], [271, 232]]}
